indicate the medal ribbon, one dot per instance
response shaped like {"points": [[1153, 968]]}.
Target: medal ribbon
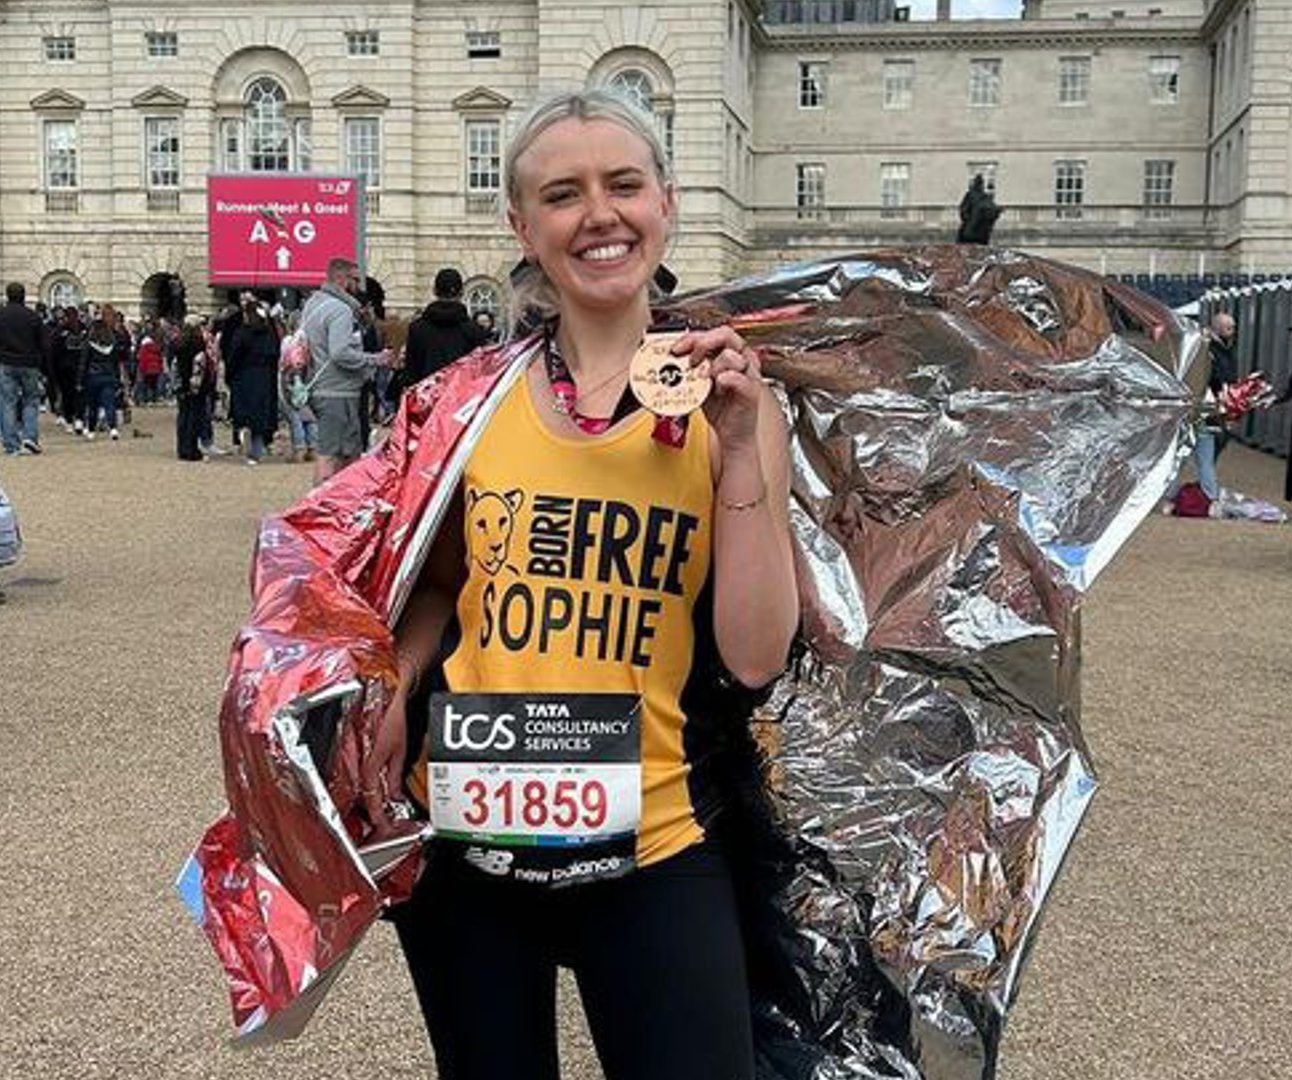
{"points": [[669, 430]]}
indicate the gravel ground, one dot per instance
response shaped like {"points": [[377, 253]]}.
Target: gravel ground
{"points": [[1165, 952]]}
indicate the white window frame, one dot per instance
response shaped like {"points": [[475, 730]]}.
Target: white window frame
{"points": [[986, 76], [1164, 80], [1069, 188], [472, 155], [262, 127], [55, 296], [362, 44], [809, 188], [151, 123], [899, 84], [1074, 80], [229, 132], [894, 188], [474, 289], [161, 44], [59, 48], [358, 157], [303, 142], [812, 84], [1159, 188], [484, 44], [988, 170], [47, 127]]}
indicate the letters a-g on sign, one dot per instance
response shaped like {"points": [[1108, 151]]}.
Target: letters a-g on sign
{"points": [[281, 229]]}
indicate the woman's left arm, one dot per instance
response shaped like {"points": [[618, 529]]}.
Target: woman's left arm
{"points": [[755, 598]]}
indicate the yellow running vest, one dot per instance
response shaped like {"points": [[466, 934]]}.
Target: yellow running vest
{"points": [[586, 559]]}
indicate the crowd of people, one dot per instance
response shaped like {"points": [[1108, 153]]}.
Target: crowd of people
{"points": [[322, 375]]}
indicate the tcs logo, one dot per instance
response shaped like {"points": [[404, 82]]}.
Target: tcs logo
{"points": [[478, 731]]}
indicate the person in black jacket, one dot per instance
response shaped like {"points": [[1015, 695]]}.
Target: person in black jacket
{"points": [[22, 358], [443, 332], [978, 214], [101, 373], [68, 350], [252, 374]]}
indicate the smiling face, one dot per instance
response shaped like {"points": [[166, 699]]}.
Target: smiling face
{"points": [[592, 211]]}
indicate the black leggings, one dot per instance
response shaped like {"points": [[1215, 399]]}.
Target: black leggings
{"points": [[657, 955]]}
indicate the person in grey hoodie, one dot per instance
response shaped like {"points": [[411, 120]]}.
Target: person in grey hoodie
{"points": [[338, 367]]}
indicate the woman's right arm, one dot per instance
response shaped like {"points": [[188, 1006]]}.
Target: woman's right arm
{"points": [[417, 640]]}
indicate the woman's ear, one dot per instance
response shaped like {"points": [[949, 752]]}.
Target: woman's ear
{"points": [[520, 227], [670, 206]]}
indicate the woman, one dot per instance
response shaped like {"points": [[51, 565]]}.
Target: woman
{"points": [[191, 363], [293, 366], [102, 371], [252, 372], [642, 547]]}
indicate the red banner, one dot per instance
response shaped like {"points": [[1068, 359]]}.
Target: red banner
{"points": [[266, 229]]}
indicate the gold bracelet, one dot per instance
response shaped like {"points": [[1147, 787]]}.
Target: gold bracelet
{"points": [[739, 506]]}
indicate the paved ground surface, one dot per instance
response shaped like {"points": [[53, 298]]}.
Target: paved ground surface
{"points": [[1166, 953]]}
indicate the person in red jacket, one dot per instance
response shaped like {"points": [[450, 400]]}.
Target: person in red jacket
{"points": [[151, 364]]}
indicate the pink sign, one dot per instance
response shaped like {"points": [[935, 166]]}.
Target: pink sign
{"points": [[266, 229]]}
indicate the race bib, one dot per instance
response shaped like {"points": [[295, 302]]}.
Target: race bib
{"points": [[541, 788]]}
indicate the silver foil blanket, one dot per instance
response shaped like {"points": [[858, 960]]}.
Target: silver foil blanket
{"points": [[974, 435]]}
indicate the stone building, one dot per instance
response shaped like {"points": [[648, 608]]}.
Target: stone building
{"points": [[1128, 138]]}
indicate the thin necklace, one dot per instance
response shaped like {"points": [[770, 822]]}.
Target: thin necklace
{"points": [[565, 392]]}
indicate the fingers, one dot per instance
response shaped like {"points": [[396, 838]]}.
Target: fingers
{"points": [[705, 344], [374, 796]]}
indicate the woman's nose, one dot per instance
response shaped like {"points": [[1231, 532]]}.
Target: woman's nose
{"points": [[601, 209]]}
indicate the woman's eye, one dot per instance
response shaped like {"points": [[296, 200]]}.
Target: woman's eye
{"points": [[559, 196]]}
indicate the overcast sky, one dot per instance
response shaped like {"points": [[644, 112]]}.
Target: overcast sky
{"points": [[968, 9]]}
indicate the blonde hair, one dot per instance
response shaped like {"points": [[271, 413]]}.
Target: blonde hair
{"points": [[532, 292]]}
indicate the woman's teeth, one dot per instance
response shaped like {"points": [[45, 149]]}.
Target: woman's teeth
{"points": [[606, 253]]}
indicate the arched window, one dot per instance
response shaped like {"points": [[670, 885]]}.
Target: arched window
{"points": [[63, 291], [484, 295], [268, 143], [636, 87], [644, 80]]}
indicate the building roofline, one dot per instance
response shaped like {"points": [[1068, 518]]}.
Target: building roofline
{"points": [[987, 33]]}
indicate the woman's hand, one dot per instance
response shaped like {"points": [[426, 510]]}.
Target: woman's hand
{"points": [[732, 407], [380, 774]]}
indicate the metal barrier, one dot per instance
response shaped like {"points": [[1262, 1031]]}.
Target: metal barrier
{"points": [[1263, 342]]}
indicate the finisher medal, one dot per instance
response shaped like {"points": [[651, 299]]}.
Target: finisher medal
{"points": [[665, 384]]}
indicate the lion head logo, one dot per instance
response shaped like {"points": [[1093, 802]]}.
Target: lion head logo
{"points": [[490, 521]]}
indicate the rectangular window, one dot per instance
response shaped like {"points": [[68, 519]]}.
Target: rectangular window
{"points": [[811, 84], [987, 170], [304, 144], [60, 155], [162, 44], [484, 44], [984, 82], [899, 83], [1074, 80], [484, 157], [810, 189], [231, 145], [894, 188], [1069, 188], [363, 148], [1164, 80], [161, 151], [363, 43], [60, 47], [1159, 188]]}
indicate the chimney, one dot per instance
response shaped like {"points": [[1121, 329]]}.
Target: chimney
{"points": [[944, 10]]}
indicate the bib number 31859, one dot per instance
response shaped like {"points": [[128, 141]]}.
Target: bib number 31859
{"points": [[542, 788]]}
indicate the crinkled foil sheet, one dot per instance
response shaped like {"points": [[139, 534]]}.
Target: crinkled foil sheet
{"points": [[974, 435]]}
